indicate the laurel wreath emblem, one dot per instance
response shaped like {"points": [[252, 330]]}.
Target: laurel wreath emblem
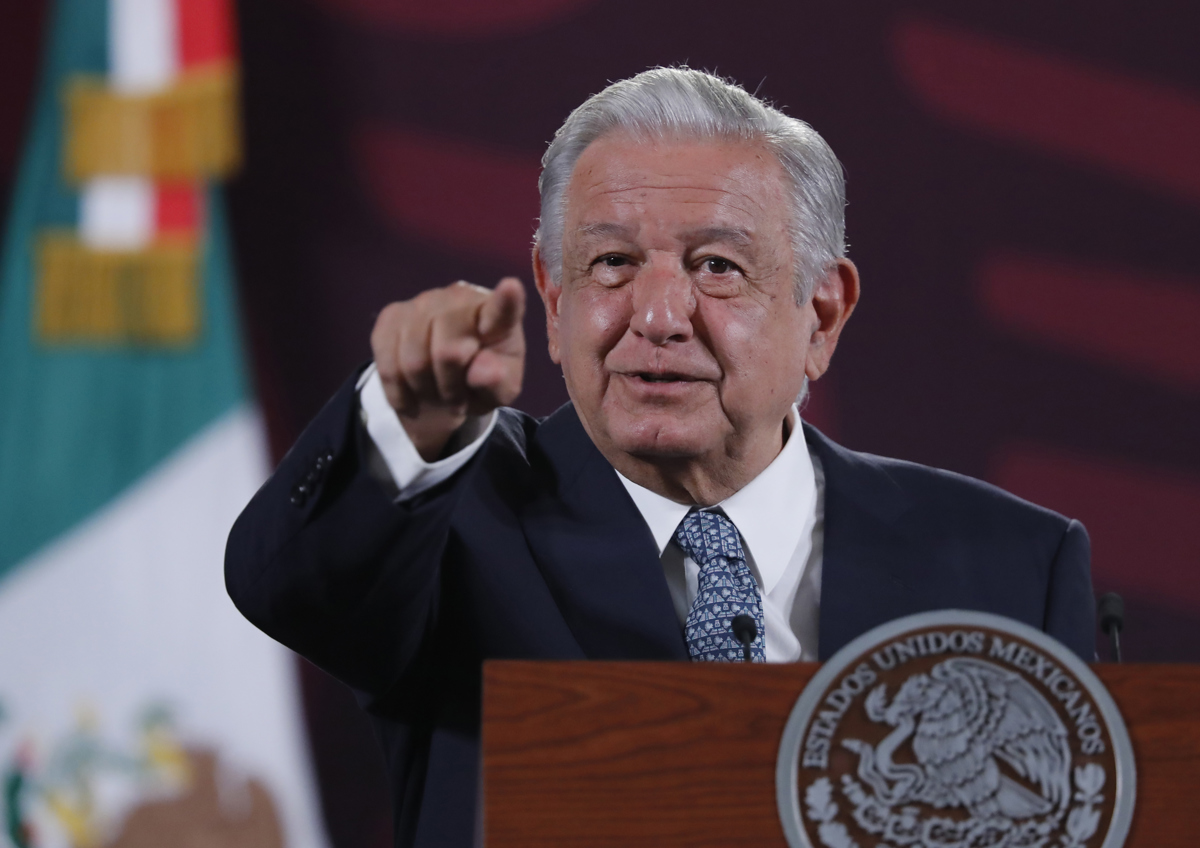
{"points": [[907, 827], [1083, 820]]}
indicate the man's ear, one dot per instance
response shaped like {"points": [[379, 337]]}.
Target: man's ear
{"points": [[550, 292], [833, 299]]}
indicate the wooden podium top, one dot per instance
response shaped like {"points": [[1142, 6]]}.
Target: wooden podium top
{"points": [[666, 754]]}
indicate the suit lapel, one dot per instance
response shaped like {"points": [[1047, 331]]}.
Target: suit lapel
{"points": [[602, 565], [863, 581], [595, 550]]}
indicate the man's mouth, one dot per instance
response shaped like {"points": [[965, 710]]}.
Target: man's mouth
{"points": [[661, 378]]}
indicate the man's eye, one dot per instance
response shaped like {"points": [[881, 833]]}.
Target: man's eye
{"points": [[614, 261], [717, 265]]}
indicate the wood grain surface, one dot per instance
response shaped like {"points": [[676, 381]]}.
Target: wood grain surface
{"points": [[672, 754]]}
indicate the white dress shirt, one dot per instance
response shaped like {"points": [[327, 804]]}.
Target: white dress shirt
{"points": [[779, 515]]}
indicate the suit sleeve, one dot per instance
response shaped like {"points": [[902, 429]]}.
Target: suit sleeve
{"points": [[1070, 604], [323, 560]]}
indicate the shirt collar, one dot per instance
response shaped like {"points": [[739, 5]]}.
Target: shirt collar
{"points": [[766, 511]]}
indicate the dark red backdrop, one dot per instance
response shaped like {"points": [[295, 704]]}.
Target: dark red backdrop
{"points": [[1024, 206]]}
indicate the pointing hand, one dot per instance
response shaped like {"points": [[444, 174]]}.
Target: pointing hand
{"points": [[448, 354]]}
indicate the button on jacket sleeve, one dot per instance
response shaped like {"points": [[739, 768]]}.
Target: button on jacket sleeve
{"points": [[325, 560]]}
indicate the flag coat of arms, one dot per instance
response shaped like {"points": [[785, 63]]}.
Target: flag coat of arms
{"points": [[137, 708]]}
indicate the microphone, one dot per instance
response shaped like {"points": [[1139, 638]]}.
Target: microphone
{"points": [[745, 631], [1111, 611]]}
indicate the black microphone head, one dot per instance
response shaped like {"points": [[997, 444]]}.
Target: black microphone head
{"points": [[744, 628], [1111, 611]]}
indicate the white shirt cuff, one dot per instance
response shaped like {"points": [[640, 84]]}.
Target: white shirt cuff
{"points": [[411, 474]]}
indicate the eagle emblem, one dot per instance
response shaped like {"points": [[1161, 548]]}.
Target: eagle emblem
{"points": [[955, 729], [964, 720]]}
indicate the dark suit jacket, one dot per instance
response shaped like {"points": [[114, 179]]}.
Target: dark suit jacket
{"points": [[535, 550]]}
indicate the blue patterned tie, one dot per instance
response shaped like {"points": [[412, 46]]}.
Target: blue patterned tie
{"points": [[726, 589]]}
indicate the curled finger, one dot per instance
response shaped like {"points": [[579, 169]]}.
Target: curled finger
{"points": [[452, 347]]}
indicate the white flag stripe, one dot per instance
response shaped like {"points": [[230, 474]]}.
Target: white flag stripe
{"points": [[142, 44], [117, 213], [130, 609]]}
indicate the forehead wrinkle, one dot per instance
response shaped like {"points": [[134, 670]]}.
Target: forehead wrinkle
{"points": [[728, 202], [734, 196], [650, 193], [734, 206]]}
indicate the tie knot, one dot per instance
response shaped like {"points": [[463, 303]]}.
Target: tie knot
{"points": [[704, 536]]}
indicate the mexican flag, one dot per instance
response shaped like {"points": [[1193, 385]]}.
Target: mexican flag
{"points": [[137, 707]]}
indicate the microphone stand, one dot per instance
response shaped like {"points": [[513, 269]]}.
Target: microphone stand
{"points": [[1111, 612]]}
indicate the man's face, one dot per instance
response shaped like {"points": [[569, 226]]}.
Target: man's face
{"points": [[676, 322]]}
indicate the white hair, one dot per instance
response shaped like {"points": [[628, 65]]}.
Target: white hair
{"points": [[683, 103]]}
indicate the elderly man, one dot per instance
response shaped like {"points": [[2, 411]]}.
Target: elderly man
{"points": [[691, 262]]}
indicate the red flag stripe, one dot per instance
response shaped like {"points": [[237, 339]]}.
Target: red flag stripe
{"points": [[206, 33], [178, 208]]}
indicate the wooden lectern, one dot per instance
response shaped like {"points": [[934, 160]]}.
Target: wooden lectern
{"points": [[674, 754]]}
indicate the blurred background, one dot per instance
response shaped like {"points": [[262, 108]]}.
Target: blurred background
{"points": [[1024, 206]]}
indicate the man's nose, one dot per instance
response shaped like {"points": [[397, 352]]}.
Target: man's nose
{"points": [[663, 301]]}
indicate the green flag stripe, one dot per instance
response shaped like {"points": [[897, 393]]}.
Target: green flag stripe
{"points": [[79, 424]]}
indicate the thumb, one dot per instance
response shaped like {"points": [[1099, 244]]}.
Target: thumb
{"points": [[501, 312]]}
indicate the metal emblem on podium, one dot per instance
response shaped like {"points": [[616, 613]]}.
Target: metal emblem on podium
{"points": [[955, 729]]}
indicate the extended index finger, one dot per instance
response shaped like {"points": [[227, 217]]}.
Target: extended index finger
{"points": [[502, 311]]}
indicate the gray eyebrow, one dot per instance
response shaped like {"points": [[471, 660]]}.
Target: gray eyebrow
{"points": [[732, 235], [606, 229]]}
